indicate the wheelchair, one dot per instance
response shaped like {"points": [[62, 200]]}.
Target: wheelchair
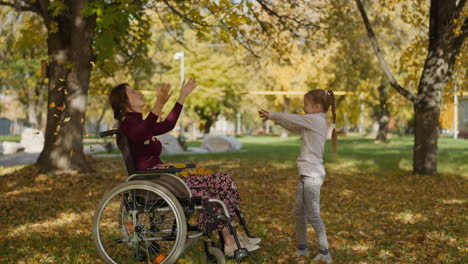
{"points": [[147, 218]]}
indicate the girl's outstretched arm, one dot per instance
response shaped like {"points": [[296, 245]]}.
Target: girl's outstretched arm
{"points": [[291, 127], [298, 122]]}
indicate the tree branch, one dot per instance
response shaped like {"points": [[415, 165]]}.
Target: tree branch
{"points": [[375, 45], [20, 7]]}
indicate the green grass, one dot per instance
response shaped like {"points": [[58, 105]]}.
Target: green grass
{"points": [[375, 210], [354, 153]]}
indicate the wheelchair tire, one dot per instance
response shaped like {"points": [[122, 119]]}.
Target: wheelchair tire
{"points": [[216, 256], [139, 221]]}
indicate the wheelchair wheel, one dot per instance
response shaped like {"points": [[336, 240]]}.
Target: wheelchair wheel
{"points": [[139, 221], [216, 256]]}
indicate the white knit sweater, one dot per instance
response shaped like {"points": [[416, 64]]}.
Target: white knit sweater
{"points": [[313, 131]]}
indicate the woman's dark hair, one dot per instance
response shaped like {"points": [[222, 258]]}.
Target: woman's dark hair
{"points": [[118, 100]]}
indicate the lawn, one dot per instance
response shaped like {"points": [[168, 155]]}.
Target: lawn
{"points": [[374, 209]]}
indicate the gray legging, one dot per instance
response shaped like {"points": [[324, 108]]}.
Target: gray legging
{"points": [[308, 208]]}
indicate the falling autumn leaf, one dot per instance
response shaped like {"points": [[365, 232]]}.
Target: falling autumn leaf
{"points": [[201, 127], [52, 105]]}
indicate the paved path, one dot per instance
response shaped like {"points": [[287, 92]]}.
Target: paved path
{"points": [[22, 158]]}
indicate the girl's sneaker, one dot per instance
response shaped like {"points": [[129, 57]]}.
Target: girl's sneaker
{"points": [[302, 253], [321, 258]]}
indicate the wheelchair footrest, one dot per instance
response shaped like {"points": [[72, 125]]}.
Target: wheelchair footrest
{"points": [[241, 253]]}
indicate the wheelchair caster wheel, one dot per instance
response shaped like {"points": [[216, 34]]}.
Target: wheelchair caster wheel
{"points": [[240, 253]]}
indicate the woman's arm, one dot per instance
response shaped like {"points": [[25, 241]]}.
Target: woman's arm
{"points": [[139, 130], [163, 93], [169, 123]]}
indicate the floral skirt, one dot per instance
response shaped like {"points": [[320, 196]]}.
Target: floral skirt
{"points": [[205, 184]]}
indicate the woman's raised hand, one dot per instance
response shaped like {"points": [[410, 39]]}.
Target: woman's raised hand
{"points": [[263, 114], [186, 89], [163, 93]]}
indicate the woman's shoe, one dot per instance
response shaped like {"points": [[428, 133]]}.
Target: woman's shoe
{"points": [[229, 249], [323, 258], [243, 238]]}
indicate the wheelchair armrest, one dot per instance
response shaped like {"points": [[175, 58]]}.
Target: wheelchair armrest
{"points": [[171, 169], [152, 171]]}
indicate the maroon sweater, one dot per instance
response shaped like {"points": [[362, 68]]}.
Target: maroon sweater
{"points": [[145, 148]]}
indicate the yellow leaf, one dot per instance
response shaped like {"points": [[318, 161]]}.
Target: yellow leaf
{"points": [[66, 119], [201, 127], [52, 105]]}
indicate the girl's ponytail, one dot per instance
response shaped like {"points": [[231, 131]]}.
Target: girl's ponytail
{"points": [[331, 96]]}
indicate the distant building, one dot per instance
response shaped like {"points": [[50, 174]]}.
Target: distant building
{"points": [[446, 117]]}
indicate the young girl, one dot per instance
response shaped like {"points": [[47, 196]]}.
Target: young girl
{"points": [[313, 130]]}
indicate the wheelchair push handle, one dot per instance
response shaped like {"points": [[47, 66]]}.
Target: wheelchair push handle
{"points": [[108, 133]]}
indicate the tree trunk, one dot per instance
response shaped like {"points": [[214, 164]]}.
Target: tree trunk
{"points": [[444, 46], [427, 110], [101, 116], [35, 105], [209, 122], [383, 115], [284, 131], [70, 54]]}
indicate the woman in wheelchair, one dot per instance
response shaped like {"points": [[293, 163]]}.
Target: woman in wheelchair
{"points": [[145, 149]]}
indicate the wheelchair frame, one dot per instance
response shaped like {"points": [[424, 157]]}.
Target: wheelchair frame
{"points": [[166, 182]]}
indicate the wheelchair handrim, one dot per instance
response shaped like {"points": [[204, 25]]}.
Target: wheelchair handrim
{"points": [[147, 186]]}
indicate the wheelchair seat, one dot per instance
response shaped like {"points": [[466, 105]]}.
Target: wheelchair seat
{"points": [[164, 177]]}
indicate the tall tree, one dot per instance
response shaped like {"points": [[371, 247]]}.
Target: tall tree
{"points": [[448, 27], [80, 33], [20, 62]]}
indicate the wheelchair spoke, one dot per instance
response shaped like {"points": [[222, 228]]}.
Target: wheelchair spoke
{"points": [[139, 225]]}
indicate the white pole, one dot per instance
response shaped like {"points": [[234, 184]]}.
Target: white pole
{"points": [[361, 116], [238, 124], [180, 55], [455, 110]]}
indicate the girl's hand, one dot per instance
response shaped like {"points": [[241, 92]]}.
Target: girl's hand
{"points": [[186, 89], [163, 93], [263, 114]]}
